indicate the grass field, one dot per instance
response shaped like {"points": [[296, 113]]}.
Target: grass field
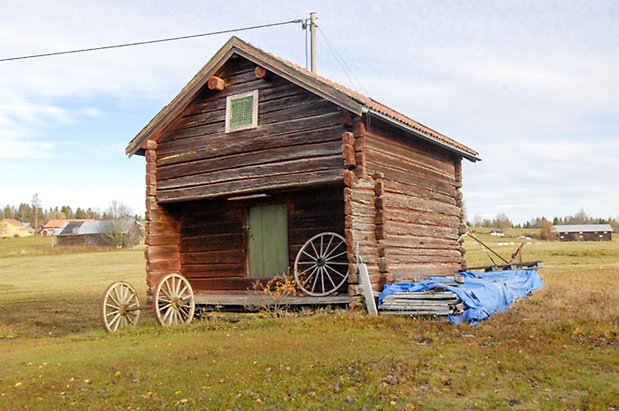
{"points": [[557, 350]]}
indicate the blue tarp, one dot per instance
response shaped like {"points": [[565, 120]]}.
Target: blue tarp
{"points": [[483, 294]]}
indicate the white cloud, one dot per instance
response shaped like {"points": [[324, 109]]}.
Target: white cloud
{"points": [[12, 149], [531, 85]]}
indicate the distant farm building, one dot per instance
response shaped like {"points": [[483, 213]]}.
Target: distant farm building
{"points": [[52, 227], [583, 232], [9, 228], [120, 233]]}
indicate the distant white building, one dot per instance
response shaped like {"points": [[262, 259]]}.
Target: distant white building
{"points": [[125, 232]]}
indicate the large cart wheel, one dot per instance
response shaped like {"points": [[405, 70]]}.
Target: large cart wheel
{"points": [[119, 306], [321, 266], [174, 303]]}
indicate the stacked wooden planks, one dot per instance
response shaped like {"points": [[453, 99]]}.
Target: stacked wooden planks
{"points": [[432, 302]]}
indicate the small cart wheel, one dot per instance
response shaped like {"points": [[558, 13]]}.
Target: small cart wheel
{"points": [[321, 266], [119, 306], [174, 302]]}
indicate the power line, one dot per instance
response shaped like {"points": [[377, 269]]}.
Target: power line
{"points": [[342, 63], [141, 43]]}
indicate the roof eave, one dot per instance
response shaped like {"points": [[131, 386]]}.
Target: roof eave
{"points": [[418, 133], [300, 79]]}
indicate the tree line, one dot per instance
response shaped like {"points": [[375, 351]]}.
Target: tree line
{"points": [[502, 221], [37, 216]]}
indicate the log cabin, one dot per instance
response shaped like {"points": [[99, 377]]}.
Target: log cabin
{"points": [[256, 155]]}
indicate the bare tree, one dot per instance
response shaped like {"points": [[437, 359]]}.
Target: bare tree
{"points": [[118, 230], [117, 210], [36, 205]]}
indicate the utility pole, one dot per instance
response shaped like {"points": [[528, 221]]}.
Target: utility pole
{"points": [[313, 27]]}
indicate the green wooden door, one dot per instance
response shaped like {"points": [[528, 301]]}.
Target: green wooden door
{"points": [[268, 240]]}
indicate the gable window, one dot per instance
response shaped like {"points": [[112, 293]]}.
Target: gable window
{"points": [[242, 111]]}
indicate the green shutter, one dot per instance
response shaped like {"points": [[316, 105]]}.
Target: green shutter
{"points": [[241, 111], [268, 240]]}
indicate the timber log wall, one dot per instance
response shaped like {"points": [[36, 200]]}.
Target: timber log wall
{"points": [[394, 195], [297, 142], [213, 236], [418, 204]]}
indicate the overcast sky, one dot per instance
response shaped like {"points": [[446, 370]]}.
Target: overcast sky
{"points": [[533, 86]]}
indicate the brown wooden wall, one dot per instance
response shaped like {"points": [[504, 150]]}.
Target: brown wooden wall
{"points": [[418, 204], [395, 195], [360, 206], [297, 142], [213, 233], [585, 236]]}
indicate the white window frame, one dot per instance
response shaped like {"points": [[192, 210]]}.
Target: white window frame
{"points": [[254, 111]]}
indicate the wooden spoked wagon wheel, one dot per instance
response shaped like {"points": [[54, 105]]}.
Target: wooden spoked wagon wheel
{"points": [[174, 302], [120, 307], [321, 265]]}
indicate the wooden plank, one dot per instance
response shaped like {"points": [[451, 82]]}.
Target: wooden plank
{"points": [[391, 159], [249, 186], [206, 271], [418, 312], [200, 136], [418, 230], [223, 146], [247, 159], [408, 242], [417, 305], [211, 242], [437, 295], [290, 167], [364, 280], [390, 139], [218, 256], [407, 202], [248, 299], [422, 218], [161, 252]]}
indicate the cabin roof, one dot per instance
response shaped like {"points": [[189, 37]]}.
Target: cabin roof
{"points": [[321, 86], [582, 228]]}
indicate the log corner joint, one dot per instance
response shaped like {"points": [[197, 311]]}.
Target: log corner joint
{"points": [[216, 83]]}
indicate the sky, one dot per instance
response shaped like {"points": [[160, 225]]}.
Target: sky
{"points": [[533, 86]]}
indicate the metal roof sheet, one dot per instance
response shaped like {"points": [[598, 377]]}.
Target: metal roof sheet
{"points": [[582, 228], [95, 226]]}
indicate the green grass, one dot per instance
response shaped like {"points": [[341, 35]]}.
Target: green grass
{"points": [[57, 293], [10, 247], [557, 350]]}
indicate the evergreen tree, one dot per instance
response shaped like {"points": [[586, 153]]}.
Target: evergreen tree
{"points": [[67, 211]]}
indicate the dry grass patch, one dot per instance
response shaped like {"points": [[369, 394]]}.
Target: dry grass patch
{"points": [[556, 350]]}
